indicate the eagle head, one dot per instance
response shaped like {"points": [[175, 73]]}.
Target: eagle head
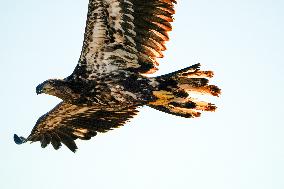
{"points": [[57, 87], [50, 86]]}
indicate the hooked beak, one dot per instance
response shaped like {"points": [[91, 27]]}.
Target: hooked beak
{"points": [[39, 89], [38, 92]]}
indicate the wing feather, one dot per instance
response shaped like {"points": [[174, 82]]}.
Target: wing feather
{"points": [[55, 141], [124, 35], [152, 23], [66, 122]]}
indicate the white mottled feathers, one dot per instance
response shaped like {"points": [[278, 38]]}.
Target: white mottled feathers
{"points": [[125, 35]]}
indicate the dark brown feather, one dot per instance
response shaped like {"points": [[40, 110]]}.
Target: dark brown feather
{"points": [[65, 123]]}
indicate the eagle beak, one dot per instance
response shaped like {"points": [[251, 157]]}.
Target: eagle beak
{"points": [[39, 89]]}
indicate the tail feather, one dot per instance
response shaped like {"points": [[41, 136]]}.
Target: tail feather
{"points": [[207, 89], [174, 92], [182, 112]]}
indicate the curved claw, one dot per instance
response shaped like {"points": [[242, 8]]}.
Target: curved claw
{"points": [[19, 140]]}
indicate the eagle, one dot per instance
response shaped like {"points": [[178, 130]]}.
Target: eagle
{"points": [[122, 41]]}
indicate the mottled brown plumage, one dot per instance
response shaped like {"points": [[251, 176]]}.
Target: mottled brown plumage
{"points": [[122, 41]]}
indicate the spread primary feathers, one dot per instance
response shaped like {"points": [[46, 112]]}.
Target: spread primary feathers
{"points": [[122, 41]]}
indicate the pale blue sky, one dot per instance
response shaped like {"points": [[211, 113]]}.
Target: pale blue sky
{"points": [[238, 147]]}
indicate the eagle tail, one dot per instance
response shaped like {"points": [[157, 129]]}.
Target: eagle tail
{"points": [[174, 94], [19, 140]]}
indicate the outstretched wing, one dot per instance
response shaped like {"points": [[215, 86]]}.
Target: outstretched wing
{"points": [[124, 35], [152, 21], [66, 122]]}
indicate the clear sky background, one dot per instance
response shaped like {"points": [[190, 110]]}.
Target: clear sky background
{"points": [[238, 147]]}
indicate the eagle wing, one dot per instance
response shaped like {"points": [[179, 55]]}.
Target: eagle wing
{"points": [[66, 122], [124, 35]]}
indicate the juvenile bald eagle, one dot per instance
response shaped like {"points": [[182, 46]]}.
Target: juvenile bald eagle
{"points": [[123, 39]]}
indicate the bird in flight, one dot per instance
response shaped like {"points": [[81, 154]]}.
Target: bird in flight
{"points": [[122, 41]]}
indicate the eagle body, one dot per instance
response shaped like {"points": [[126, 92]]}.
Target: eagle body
{"points": [[115, 89], [122, 41]]}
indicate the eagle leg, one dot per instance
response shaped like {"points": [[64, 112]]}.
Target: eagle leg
{"points": [[19, 140]]}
